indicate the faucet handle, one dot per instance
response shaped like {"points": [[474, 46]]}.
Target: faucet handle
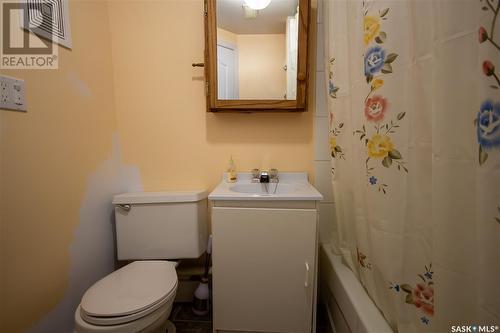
{"points": [[255, 173], [273, 173]]}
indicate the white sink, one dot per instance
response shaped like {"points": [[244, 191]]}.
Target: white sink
{"points": [[262, 189], [291, 186]]}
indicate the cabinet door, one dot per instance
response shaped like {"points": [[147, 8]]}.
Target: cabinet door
{"points": [[263, 269]]}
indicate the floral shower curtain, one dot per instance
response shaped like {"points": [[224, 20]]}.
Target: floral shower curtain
{"points": [[414, 104]]}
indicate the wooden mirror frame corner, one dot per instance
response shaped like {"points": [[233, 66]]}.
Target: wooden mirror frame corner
{"points": [[262, 105]]}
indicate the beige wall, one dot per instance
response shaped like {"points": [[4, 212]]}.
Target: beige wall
{"points": [[162, 122], [261, 61], [128, 71], [47, 155]]}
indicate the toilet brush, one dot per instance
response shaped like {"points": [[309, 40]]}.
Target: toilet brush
{"points": [[200, 299], [201, 302]]}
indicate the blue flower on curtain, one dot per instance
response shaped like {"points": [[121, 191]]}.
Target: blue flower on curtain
{"points": [[488, 125], [395, 286], [332, 89], [373, 180], [374, 60]]}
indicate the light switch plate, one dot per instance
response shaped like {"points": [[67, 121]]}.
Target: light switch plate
{"points": [[12, 94]]}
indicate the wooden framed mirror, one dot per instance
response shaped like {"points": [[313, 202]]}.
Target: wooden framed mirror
{"points": [[256, 58]]}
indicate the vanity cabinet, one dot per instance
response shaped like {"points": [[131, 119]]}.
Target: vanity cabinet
{"points": [[264, 267]]}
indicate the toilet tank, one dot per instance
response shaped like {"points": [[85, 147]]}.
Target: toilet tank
{"points": [[161, 225]]}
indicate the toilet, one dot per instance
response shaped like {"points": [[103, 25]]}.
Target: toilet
{"points": [[151, 228]]}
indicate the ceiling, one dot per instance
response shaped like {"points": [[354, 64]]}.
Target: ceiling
{"points": [[270, 20]]}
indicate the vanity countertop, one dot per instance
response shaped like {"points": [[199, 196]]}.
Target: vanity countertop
{"points": [[291, 186]]}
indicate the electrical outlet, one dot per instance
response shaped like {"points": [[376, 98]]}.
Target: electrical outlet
{"points": [[3, 92], [12, 94], [18, 94]]}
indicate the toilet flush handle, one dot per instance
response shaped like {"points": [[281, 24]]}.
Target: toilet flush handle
{"points": [[125, 207]]}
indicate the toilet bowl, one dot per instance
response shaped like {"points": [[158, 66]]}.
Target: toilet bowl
{"points": [[151, 228], [136, 298]]}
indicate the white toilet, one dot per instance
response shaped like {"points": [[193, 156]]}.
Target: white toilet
{"points": [[150, 226]]}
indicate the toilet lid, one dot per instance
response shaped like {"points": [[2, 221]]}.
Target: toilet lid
{"points": [[131, 289]]}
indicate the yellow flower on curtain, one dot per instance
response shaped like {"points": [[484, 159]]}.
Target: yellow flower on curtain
{"points": [[372, 28], [377, 83], [335, 149], [379, 146], [333, 143]]}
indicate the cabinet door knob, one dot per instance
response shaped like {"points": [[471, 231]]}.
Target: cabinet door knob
{"points": [[306, 282]]}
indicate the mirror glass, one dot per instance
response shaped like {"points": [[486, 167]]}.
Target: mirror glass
{"points": [[257, 42]]}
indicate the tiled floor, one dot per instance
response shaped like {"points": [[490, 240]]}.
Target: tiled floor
{"points": [[187, 322]]}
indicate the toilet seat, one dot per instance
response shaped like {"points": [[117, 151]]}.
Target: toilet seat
{"points": [[117, 320], [154, 322], [130, 293]]}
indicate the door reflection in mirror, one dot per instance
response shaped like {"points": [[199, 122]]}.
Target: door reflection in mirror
{"points": [[227, 70]]}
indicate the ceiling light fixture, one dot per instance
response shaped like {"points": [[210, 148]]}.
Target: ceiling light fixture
{"points": [[257, 4]]}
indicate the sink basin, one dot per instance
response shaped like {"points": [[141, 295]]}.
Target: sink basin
{"points": [[291, 186], [262, 189]]}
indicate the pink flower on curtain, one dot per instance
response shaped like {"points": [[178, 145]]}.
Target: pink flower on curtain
{"points": [[362, 259], [375, 108], [423, 297], [488, 68], [482, 35]]}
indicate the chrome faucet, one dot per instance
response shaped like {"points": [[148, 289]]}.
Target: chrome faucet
{"points": [[265, 176]]}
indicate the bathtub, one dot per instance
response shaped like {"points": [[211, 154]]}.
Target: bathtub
{"points": [[348, 306]]}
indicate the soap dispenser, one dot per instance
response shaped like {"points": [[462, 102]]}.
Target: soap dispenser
{"points": [[231, 171]]}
